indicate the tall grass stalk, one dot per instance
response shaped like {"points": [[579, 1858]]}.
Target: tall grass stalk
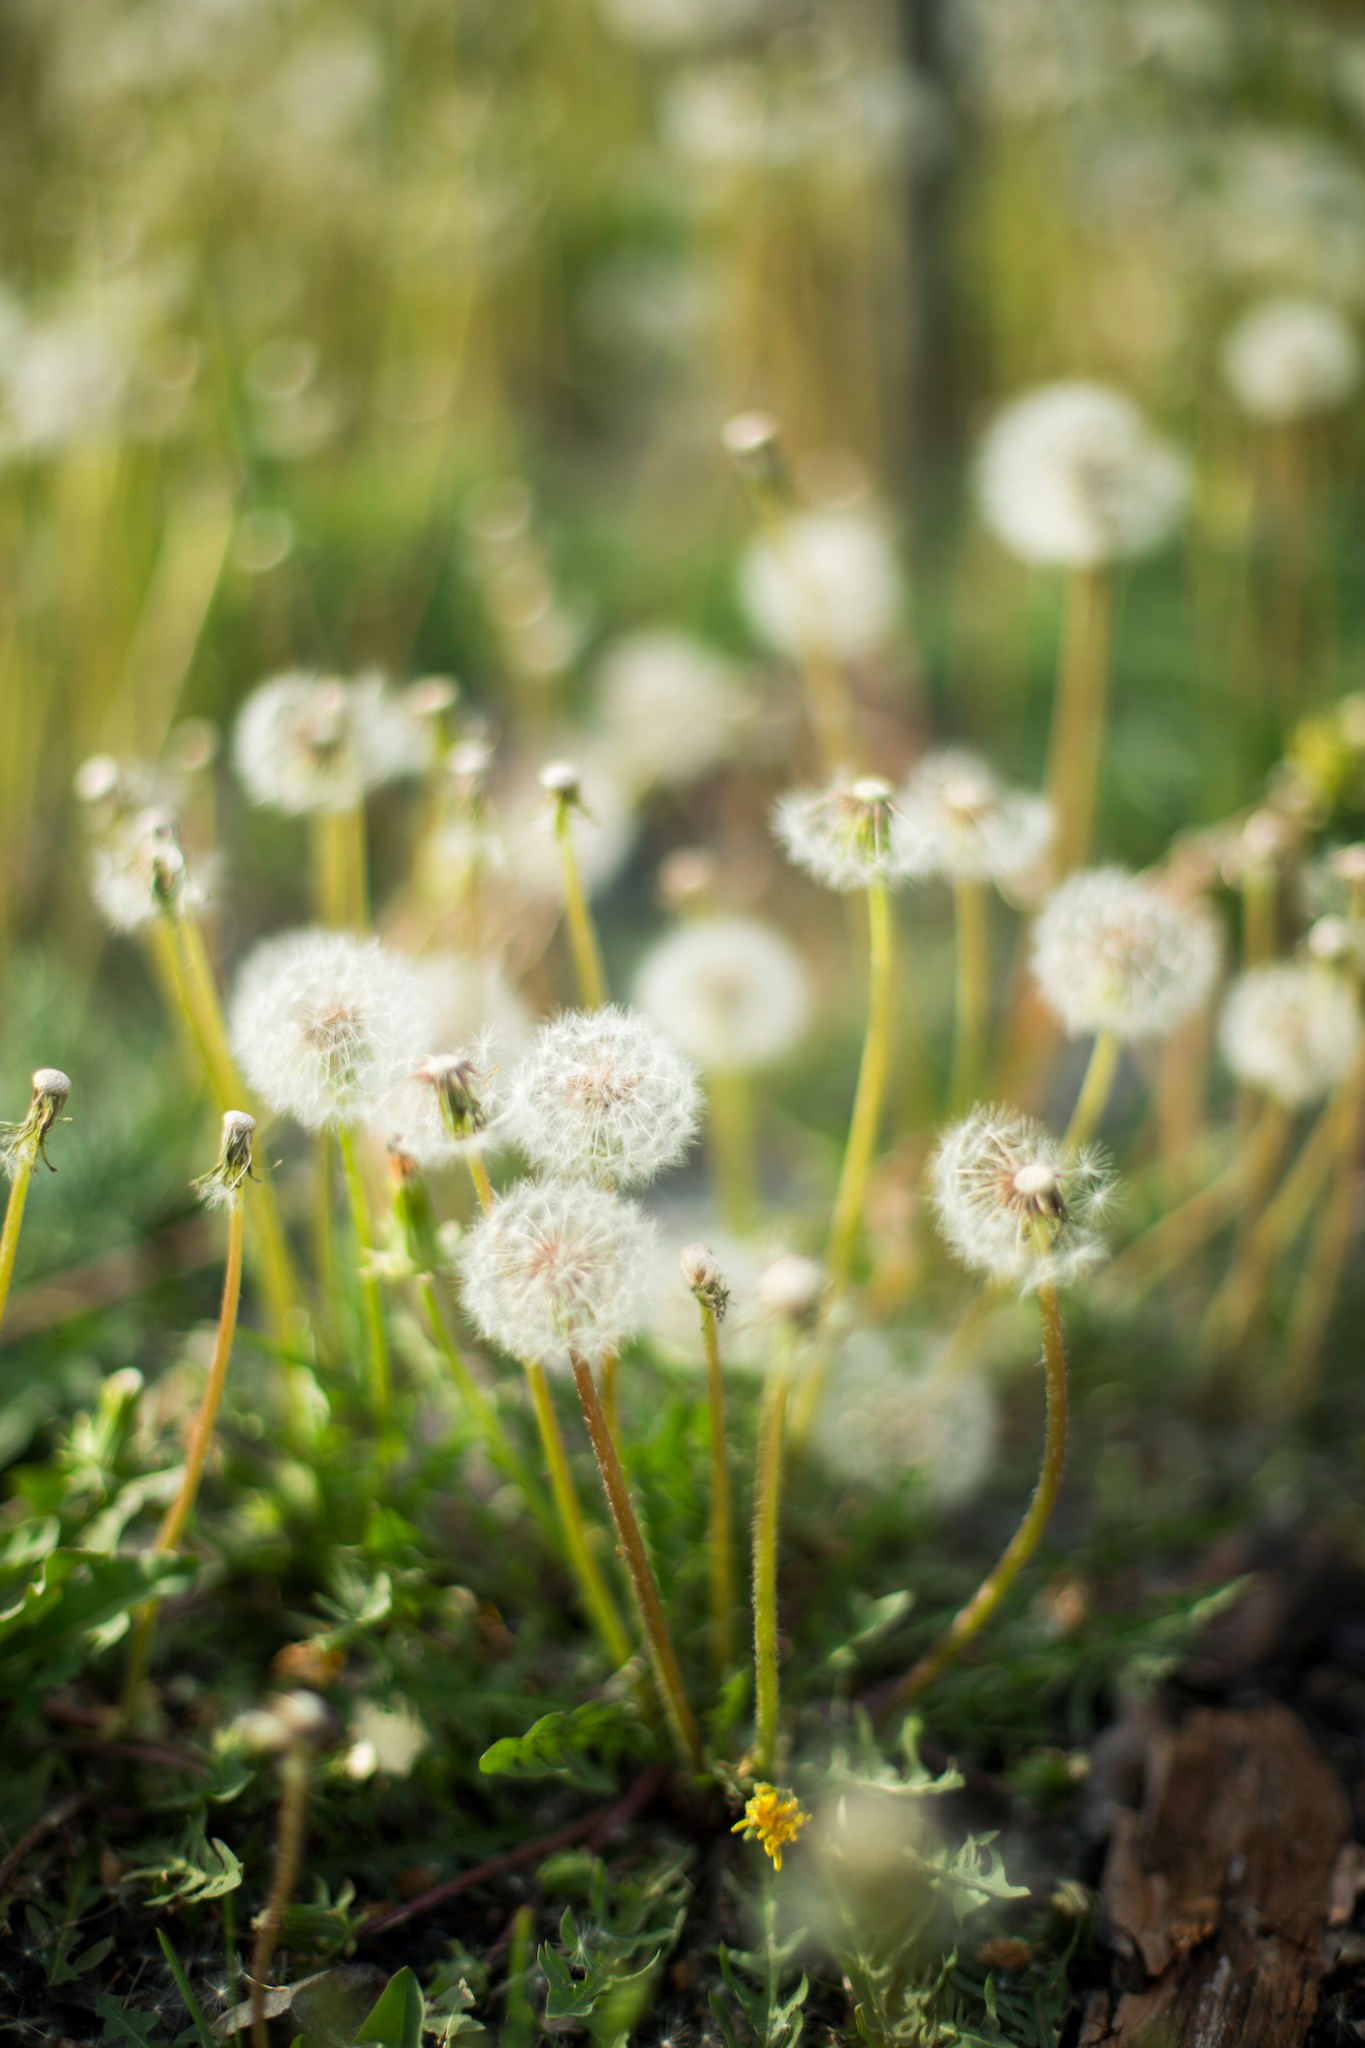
{"points": [[1076, 746]]}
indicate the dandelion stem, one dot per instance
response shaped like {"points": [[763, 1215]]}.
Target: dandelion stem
{"points": [[731, 1129], [1260, 918], [829, 703], [1077, 741], [767, 1501], [288, 1857], [483, 1186], [611, 1393], [14, 1218], [971, 1619], [371, 1299], [331, 892], [597, 1598], [1095, 1089], [177, 1517], [721, 1531], [355, 853], [662, 1654], [587, 954], [871, 1091], [972, 1021]]}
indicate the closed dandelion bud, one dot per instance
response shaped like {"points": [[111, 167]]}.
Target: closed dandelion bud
{"points": [[791, 1289], [600, 1095], [22, 1143], [701, 1273], [1015, 1203], [1290, 359], [842, 835], [306, 744], [1293, 1030], [221, 1187], [1112, 952], [561, 781], [1071, 474], [558, 1272], [326, 1026], [731, 993], [954, 817]]}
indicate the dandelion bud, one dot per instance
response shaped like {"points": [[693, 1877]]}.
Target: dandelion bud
{"points": [[1292, 1030], [751, 440], [1016, 1203], [556, 1273], [701, 1273], [221, 1187], [561, 780], [602, 1096], [842, 834], [730, 992], [790, 1289], [22, 1143], [1112, 952]]}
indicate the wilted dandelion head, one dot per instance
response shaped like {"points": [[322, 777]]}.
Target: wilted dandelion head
{"points": [[1112, 952], [140, 873], [729, 991], [447, 1108], [828, 580], [1073, 475], [22, 1143], [703, 1277], [1014, 1202], [670, 708], [556, 1272], [308, 743], [327, 1026], [955, 817], [601, 1095], [1293, 1030], [221, 1186], [842, 835], [1289, 358]]}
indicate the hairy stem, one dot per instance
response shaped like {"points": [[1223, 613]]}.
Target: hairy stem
{"points": [[767, 1505], [971, 907], [597, 1599], [587, 953], [871, 1090], [371, 1298], [721, 1530], [730, 1126], [1096, 1089]]}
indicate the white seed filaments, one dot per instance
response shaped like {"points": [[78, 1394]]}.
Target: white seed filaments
{"points": [[1112, 952], [326, 1027], [308, 743], [1014, 1202], [139, 873], [829, 579], [602, 1096], [954, 817], [559, 1272], [730, 992], [1292, 1030], [843, 834]]}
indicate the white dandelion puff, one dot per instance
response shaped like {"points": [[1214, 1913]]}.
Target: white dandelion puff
{"points": [[604, 825], [1015, 1203], [558, 1272], [327, 1026], [1291, 358], [601, 1095], [882, 1423], [449, 1107], [1072, 474], [730, 992], [306, 743], [843, 834], [828, 580], [139, 873], [1112, 952], [469, 994], [955, 817], [670, 708], [1293, 1030], [791, 1288]]}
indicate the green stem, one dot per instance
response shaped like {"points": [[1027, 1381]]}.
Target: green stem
{"points": [[730, 1127], [371, 1299], [721, 1532], [645, 1586], [483, 1186], [597, 1599], [871, 1091], [1260, 891], [587, 954], [283, 1878], [1095, 1089], [1076, 745], [14, 1219], [767, 1503], [972, 1018], [482, 1408], [331, 892]]}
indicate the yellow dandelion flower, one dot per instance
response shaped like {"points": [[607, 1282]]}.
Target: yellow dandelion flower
{"points": [[774, 1817]]}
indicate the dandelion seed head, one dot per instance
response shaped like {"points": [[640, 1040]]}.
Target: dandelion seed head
{"points": [[955, 817], [671, 708], [139, 873], [1291, 358], [558, 1271], [829, 580], [842, 835], [883, 1421], [1112, 952], [1292, 1030], [449, 1107], [730, 992], [1072, 474], [326, 1026], [1015, 1203], [601, 1095], [306, 743], [791, 1288]]}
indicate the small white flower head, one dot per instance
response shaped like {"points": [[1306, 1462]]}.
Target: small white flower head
{"points": [[1014, 1202], [557, 1272], [703, 1277], [753, 441], [140, 873], [603, 821], [448, 1107], [955, 817], [601, 1095], [842, 835], [730, 992], [1291, 358], [1112, 952], [791, 1289], [883, 1422], [671, 708], [307, 743], [1072, 474], [221, 1186], [327, 1026], [24, 1143], [1292, 1030], [829, 580]]}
